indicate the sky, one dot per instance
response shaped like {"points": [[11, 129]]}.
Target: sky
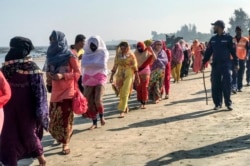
{"points": [[111, 19]]}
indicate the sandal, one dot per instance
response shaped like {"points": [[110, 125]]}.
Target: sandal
{"points": [[66, 149]]}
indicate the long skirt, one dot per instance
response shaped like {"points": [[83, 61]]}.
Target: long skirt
{"points": [[94, 96], [61, 120], [142, 88], [156, 84]]}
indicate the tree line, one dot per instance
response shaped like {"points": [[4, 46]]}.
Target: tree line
{"points": [[189, 31]]}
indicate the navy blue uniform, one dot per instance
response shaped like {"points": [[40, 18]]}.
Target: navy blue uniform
{"points": [[221, 47]]}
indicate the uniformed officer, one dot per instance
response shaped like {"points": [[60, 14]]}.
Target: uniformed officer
{"points": [[248, 62], [221, 46], [241, 52]]}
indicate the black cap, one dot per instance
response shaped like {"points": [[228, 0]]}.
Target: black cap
{"points": [[79, 38], [238, 28], [219, 23]]}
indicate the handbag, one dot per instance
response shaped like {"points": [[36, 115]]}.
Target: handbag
{"points": [[79, 102]]}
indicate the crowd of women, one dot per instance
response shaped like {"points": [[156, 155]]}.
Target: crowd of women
{"points": [[24, 110]]}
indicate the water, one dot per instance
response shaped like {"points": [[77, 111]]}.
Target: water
{"points": [[38, 54]]}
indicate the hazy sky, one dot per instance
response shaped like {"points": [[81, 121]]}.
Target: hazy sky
{"points": [[111, 19]]}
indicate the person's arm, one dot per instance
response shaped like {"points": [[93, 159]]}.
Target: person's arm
{"points": [[73, 62], [4, 85], [208, 53], [40, 99], [247, 48], [232, 49], [114, 69]]}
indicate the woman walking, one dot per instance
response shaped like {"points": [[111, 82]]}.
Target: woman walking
{"points": [[197, 50], [157, 72], [177, 58], [145, 57], [62, 74], [125, 67], [26, 113], [95, 70]]}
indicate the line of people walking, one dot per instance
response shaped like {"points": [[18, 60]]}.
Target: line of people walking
{"points": [[25, 112]]}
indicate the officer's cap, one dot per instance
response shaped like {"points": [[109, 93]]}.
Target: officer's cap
{"points": [[219, 23]]}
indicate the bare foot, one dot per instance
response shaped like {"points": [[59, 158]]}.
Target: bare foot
{"points": [[103, 121], [122, 115], [41, 160], [126, 110], [93, 127], [156, 101]]}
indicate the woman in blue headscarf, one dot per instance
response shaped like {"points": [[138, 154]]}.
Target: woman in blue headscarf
{"points": [[62, 74]]}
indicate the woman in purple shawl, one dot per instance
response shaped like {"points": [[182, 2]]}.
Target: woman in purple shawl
{"points": [[26, 113], [157, 72]]}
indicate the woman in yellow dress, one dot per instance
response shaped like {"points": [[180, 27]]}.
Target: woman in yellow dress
{"points": [[125, 67]]}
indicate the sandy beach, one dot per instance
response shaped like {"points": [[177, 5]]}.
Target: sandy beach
{"points": [[180, 131]]}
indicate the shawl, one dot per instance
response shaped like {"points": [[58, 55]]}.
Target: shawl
{"points": [[58, 53], [95, 62], [161, 60], [177, 54]]}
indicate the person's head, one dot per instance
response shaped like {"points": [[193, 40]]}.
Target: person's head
{"points": [[124, 47], [219, 26], [182, 43], [157, 46], [93, 44], [79, 41], [20, 47], [140, 47], [196, 42], [238, 31], [249, 32]]}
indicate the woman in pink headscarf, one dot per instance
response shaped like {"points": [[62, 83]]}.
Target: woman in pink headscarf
{"points": [[177, 58]]}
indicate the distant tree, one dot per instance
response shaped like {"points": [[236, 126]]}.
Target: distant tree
{"points": [[240, 18]]}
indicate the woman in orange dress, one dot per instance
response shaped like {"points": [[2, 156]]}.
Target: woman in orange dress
{"points": [[197, 50], [62, 74]]}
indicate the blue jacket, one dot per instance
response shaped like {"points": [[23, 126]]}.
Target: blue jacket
{"points": [[221, 47]]}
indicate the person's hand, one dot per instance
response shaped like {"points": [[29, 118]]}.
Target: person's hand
{"points": [[202, 67], [150, 49], [57, 76], [236, 68], [137, 81], [111, 79]]}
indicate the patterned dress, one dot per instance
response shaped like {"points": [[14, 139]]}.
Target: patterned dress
{"points": [[127, 65]]}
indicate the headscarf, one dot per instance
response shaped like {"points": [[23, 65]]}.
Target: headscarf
{"points": [[141, 57], [20, 47], [95, 62], [162, 58], [177, 54], [17, 58], [58, 53]]}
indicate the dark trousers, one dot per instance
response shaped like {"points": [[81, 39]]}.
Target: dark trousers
{"points": [[238, 75], [248, 71], [185, 68], [221, 79]]}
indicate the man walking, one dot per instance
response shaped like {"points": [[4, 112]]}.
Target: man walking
{"points": [[241, 51], [221, 46]]}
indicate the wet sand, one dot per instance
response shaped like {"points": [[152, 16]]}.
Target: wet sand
{"points": [[182, 130]]}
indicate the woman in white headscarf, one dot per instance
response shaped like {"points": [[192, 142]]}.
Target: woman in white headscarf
{"points": [[95, 70]]}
